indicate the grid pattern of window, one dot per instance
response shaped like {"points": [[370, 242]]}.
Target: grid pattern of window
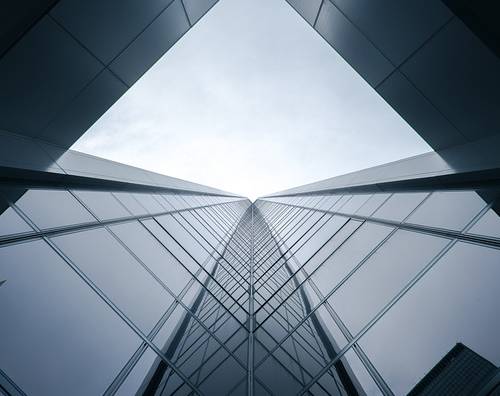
{"points": [[157, 294], [98, 288], [396, 280]]}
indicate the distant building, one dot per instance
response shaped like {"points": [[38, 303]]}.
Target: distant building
{"points": [[460, 372]]}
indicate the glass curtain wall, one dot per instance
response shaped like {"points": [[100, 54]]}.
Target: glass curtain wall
{"points": [[104, 292], [127, 293], [397, 281]]}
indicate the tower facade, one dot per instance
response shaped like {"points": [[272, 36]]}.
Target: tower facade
{"points": [[119, 281], [153, 290]]}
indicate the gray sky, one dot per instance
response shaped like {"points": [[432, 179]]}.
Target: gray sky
{"points": [[253, 101]]}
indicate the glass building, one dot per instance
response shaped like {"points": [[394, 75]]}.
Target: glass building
{"points": [[127, 292], [119, 281]]}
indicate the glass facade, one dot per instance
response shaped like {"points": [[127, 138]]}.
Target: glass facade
{"points": [[119, 281], [107, 292]]}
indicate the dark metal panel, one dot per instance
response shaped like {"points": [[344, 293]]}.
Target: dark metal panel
{"points": [[49, 84], [22, 152], [480, 16], [419, 112], [309, 9], [451, 93], [44, 71], [197, 8], [17, 17], [397, 28], [107, 27], [80, 113], [460, 76], [352, 45], [147, 48]]}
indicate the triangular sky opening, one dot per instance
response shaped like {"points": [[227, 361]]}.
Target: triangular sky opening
{"points": [[251, 100]]}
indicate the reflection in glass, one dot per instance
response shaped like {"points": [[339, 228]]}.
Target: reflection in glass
{"points": [[350, 254], [118, 275], [488, 225], [53, 208], [158, 259], [456, 301], [383, 275], [448, 209], [54, 327], [131, 203], [102, 204], [399, 206], [10, 221]]}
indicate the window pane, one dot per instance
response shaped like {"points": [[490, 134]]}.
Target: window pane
{"points": [[399, 206], [104, 205], [383, 275], [452, 210], [332, 244], [331, 327], [354, 203], [349, 255], [153, 254], [372, 204], [55, 328], [223, 378], [151, 204], [279, 380], [53, 208], [197, 228], [192, 245], [303, 227], [340, 203], [172, 246], [329, 201], [362, 378], [456, 301], [168, 331], [488, 224], [10, 222], [129, 201], [137, 380], [331, 225], [168, 198], [118, 275]]}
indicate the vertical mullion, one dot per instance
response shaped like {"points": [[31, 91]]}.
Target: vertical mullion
{"points": [[251, 311]]}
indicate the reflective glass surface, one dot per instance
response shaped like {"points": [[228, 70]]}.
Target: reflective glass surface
{"points": [[399, 206], [48, 335], [158, 259], [131, 203], [117, 274], [102, 204], [349, 255], [137, 379], [488, 224], [457, 301], [10, 221], [197, 248], [367, 296], [450, 210], [53, 208], [383, 275]]}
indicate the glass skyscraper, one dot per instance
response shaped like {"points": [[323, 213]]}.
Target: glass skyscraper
{"points": [[119, 281], [121, 292]]}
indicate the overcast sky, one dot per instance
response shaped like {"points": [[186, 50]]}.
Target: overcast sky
{"points": [[252, 101]]}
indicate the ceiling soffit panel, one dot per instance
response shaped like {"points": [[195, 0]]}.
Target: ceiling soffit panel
{"points": [[432, 68], [80, 57], [60, 74]]}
